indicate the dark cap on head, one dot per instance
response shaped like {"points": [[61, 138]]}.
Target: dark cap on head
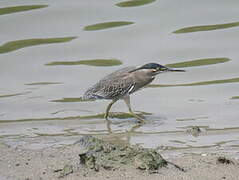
{"points": [[152, 66], [157, 67]]}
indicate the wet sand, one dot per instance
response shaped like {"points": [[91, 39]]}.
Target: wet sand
{"points": [[43, 164]]}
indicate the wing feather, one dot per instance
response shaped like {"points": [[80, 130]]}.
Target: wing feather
{"points": [[113, 86]]}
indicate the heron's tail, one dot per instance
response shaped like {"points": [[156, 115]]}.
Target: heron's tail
{"points": [[89, 96]]}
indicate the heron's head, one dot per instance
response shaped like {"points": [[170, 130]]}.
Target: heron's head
{"points": [[153, 69]]}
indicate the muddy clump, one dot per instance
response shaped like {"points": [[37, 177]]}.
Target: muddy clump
{"points": [[66, 170], [223, 160], [96, 154]]}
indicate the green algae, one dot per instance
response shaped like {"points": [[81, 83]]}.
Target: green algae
{"points": [[234, 145], [51, 135], [173, 148], [43, 83], [93, 62], [186, 119], [199, 62], [191, 127], [221, 81], [191, 119], [96, 154], [67, 169], [224, 130], [149, 160], [71, 99], [3, 145], [206, 27], [119, 115], [224, 142], [15, 9], [106, 25], [134, 3], [15, 45], [235, 97], [177, 141], [10, 95], [15, 94]]}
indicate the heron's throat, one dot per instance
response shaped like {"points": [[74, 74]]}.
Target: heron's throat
{"points": [[151, 79]]}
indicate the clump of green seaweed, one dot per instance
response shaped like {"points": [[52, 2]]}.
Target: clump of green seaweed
{"points": [[96, 154], [206, 27], [106, 25], [133, 3], [92, 62], [15, 9], [235, 97], [66, 170], [15, 45], [199, 62]]}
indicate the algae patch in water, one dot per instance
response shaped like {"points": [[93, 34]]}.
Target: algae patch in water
{"points": [[15, 45], [192, 119], [10, 95], [221, 81], [134, 3], [43, 83], [106, 25], [16, 94], [15, 9], [93, 62], [206, 27], [97, 154], [235, 97], [68, 169], [199, 62], [119, 115], [72, 99]]}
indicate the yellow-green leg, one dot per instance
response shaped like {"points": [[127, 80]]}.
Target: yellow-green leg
{"points": [[108, 109], [127, 102]]}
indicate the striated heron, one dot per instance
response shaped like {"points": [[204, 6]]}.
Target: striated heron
{"points": [[123, 82]]}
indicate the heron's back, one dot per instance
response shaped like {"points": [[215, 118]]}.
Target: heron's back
{"points": [[113, 86]]}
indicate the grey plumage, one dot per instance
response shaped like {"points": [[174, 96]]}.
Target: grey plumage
{"points": [[114, 86], [120, 84]]}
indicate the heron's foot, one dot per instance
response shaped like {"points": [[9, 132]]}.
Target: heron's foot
{"points": [[141, 119], [106, 116], [121, 115]]}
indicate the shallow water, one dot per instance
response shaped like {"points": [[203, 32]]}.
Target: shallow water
{"points": [[50, 53]]}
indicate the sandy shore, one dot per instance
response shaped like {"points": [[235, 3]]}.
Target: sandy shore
{"points": [[24, 164]]}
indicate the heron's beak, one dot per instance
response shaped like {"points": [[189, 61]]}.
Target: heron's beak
{"points": [[175, 70]]}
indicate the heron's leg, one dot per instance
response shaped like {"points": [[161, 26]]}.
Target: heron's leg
{"points": [[108, 108], [127, 102]]}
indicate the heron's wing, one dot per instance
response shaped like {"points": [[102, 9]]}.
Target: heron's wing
{"points": [[115, 85]]}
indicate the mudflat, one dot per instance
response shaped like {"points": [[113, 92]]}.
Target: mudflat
{"points": [[64, 163]]}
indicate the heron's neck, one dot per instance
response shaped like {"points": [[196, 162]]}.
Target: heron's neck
{"points": [[143, 78]]}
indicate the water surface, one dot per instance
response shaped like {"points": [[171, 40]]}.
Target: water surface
{"points": [[51, 53]]}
